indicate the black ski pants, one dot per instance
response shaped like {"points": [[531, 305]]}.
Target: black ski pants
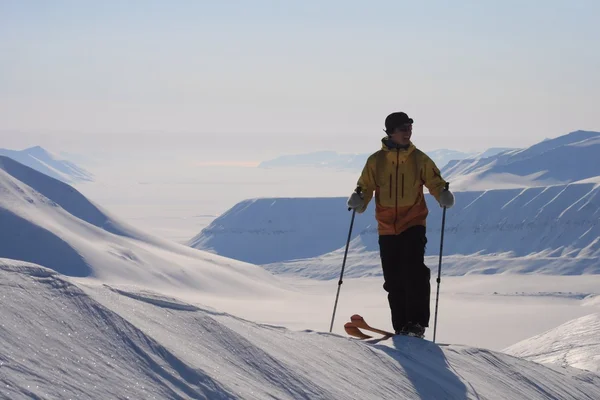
{"points": [[407, 278]]}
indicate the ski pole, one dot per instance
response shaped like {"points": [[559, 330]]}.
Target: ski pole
{"points": [[439, 279], [337, 296]]}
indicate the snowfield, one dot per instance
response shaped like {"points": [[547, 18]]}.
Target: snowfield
{"points": [[71, 340]]}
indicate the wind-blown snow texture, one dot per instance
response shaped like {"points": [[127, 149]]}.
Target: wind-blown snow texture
{"points": [[41, 160], [61, 339], [575, 343]]}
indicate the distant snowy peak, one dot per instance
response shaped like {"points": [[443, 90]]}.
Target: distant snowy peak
{"points": [[575, 344], [494, 151], [442, 157], [565, 140], [566, 159], [43, 161]]}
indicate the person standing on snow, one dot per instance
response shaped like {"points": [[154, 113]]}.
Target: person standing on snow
{"points": [[397, 174]]}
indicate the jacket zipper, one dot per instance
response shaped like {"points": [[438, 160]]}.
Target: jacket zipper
{"points": [[396, 210], [403, 185]]}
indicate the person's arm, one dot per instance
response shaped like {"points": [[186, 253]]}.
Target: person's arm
{"points": [[366, 183], [433, 178]]}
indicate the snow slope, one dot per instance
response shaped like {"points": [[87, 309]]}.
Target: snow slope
{"points": [[41, 160], [568, 158], [267, 230], [49, 223], [19, 180], [575, 343], [63, 338]]}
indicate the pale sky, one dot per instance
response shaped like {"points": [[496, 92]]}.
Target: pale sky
{"points": [[250, 80]]}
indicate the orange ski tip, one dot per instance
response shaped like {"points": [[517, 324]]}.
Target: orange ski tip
{"points": [[355, 317], [348, 325]]}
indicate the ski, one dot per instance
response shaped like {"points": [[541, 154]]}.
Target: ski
{"points": [[353, 330], [360, 322], [357, 323]]}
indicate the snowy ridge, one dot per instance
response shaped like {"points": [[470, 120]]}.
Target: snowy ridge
{"points": [[565, 159], [552, 229], [489, 153], [41, 160], [575, 343], [53, 225], [17, 179], [143, 348]]}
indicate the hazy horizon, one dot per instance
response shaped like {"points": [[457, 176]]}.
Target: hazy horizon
{"points": [[246, 82], [93, 156]]}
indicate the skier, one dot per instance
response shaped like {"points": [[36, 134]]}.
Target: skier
{"points": [[396, 174]]}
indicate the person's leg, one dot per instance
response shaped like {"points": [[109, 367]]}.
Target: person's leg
{"points": [[416, 276], [389, 253]]}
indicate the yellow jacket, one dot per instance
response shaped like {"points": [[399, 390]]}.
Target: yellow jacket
{"points": [[397, 177]]}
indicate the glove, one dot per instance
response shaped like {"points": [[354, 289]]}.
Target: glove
{"points": [[446, 198], [355, 201]]}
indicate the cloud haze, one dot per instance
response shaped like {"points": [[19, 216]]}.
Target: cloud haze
{"points": [[273, 78]]}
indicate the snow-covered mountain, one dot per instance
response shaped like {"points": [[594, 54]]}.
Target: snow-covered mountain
{"points": [[565, 159], [488, 153], [568, 158], [63, 338], [555, 229], [47, 222], [442, 157], [332, 159], [41, 160], [552, 229], [575, 343], [267, 230]]}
